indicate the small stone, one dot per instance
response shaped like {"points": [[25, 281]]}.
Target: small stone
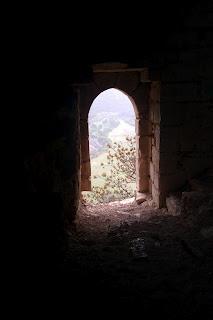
{"points": [[139, 201], [140, 197], [173, 204]]}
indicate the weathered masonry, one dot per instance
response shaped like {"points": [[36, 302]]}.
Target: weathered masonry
{"points": [[168, 112], [171, 89], [134, 83]]}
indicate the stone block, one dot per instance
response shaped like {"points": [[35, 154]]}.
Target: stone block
{"points": [[142, 184], [142, 167], [156, 168], [155, 195], [155, 157], [192, 201], [157, 137], [143, 144], [127, 81], [173, 203], [151, 171], [155, 92], [104, 81], [141, 197], [173, 182], [141, 97], [142, 127], [157, 180], [157, 113]]}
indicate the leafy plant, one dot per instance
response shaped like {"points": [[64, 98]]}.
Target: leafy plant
{"points": [[118, 182]]}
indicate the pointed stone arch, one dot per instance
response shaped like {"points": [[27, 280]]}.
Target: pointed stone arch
{"points": [[136, 85]]}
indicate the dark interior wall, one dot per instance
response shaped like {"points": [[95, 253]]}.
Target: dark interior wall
{"points": [[51, 176], [63, 55], [186, 103], [51, 169], [53, 158]]}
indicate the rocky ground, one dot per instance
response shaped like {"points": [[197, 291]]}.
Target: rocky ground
{"points": [[139, 255]]}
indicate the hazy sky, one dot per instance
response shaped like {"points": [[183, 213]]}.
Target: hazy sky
{"points": [[112, 100]]}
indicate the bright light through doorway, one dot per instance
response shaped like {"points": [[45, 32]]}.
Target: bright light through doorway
{"points": [[112, 122]]}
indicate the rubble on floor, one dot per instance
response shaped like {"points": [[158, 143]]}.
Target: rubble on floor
{"points": [[134, 253], [173, 203], [195, 204]]}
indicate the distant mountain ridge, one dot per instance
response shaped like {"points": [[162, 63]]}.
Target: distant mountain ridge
{"points": [[106, 127], [111, 116]]}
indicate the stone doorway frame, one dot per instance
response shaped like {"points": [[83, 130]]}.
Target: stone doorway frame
{"points": [[144, 95]]}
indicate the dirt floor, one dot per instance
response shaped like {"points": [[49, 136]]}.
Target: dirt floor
{"points": [[139, 255]]}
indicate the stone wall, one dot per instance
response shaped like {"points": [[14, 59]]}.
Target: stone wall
{"points": [[53, 164], [180, 126], [132, 82], [154, 164], [186, 104]]}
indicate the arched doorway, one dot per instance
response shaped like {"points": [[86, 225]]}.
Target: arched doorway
{"points": [[142, 144], [112, 147], [144, 96]]}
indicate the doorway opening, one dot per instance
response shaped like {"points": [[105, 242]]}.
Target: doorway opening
{"points": [[112, 148]]}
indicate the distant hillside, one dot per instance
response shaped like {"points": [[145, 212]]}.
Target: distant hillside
{"points": [[100, 125], [121, 131], [106, 127], [111, 116]]}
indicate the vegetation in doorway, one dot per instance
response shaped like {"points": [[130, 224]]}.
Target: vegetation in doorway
{"points": [[117, 180]]}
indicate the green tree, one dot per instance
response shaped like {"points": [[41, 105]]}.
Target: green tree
{"points": [[118, 183]]}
